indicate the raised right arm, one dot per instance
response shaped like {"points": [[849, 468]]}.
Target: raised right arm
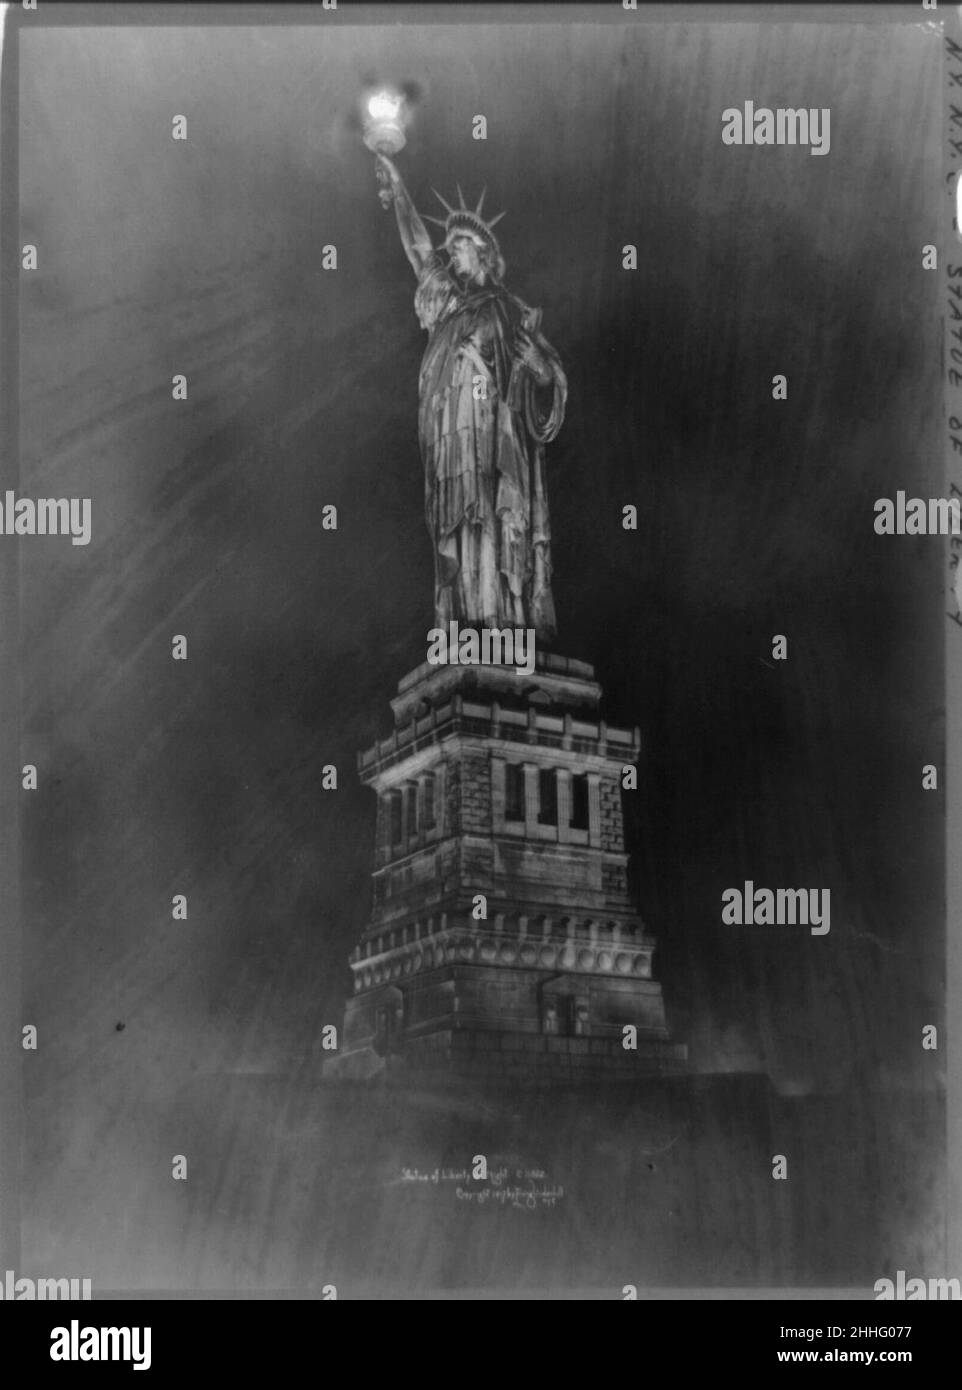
{"points": [[414, 235]]}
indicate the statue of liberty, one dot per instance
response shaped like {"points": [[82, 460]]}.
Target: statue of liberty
{"points": [[492, 394]]}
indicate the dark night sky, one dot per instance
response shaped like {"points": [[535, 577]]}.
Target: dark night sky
{"points": [[159, 777]]}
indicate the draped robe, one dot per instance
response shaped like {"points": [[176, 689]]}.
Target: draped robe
{"points": [[485, 500]]}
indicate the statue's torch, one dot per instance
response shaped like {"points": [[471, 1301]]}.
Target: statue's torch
{"points": [[384, 122]]}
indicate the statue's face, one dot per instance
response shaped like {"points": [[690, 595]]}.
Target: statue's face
{"points": [[465, 258]]}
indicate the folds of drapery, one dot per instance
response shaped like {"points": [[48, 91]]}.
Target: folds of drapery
{"points": [[485, 496]]}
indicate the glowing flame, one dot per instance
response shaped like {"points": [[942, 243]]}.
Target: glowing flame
{"points": [[384, 106]]}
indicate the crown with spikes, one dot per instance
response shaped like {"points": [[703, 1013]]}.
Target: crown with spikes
{"points": [[461, 221]]}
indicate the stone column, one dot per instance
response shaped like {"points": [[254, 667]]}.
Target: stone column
{"points": [[594, 810], [564, 805], [405, 828], [498, 794], [531, 800], [412, 812]]}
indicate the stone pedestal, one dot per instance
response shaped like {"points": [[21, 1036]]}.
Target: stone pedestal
{"points": [[503, 941]]}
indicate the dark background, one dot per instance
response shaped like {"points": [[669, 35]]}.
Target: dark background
{"points": [[755, 518]]}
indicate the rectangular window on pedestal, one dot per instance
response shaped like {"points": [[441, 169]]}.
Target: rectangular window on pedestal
{"points": [[395, 800], [411, 792], [428, 802], [547, 797], [514, 792], [579, 801]]}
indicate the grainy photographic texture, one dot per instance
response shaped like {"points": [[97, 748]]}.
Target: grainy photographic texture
{"points": [[577, 1034]]}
